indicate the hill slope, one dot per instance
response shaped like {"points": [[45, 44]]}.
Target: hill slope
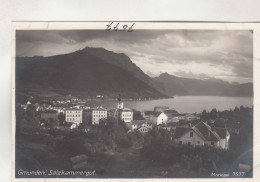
{"points": [[87, 71]]}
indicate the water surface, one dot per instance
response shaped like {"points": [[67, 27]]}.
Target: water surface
{"points": [[183, 104]]}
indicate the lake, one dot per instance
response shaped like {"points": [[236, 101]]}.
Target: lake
{"points": [[183, 104]]}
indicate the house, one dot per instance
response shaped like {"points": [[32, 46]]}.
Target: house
{"points": [[170, 112], [202, 134], [169, 126], [143, 129], [73, 116], [155, 117], [141, 125], [191, 117], [176, 118], [24, 106], [97, 114]]}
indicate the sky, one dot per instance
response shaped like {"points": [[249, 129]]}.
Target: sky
{"points": [[201, 54]]}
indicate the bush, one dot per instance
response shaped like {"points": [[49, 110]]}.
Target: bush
{"points": [[124, 141]]}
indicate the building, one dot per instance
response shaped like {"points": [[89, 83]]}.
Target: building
{"points": [[161, 118], [122, 113], [141, 125], [160, 108], [49, 115], [191, 117], [120, 104], [157, 118], [97, 114], [125, 114], [73, 115], [24, 106], [202, 134], [176, 118]]}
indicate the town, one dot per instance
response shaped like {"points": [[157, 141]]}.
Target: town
{"points": [[185, 128], [78, 132]]}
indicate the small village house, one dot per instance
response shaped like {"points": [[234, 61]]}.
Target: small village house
{"points": [[141, 125], [176, 118], [157, 118], [202, 134], [191, 117]]}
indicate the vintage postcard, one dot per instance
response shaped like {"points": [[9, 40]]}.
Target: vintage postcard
{"points": [[134, 100]]}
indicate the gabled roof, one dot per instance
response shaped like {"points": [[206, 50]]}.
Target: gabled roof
{"points": [[74, 109], [153, 113], [202, 129], [170, 111], [206, 132], [150, 112], [180, 131], [98, 109]]}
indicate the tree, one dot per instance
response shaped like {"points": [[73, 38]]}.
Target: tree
{"points": [[137, 115], [213, 114], [204, 116], [61, 117]]}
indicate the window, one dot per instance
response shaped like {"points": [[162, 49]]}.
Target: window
{"points": [[189, 143], [212, 143], [191, 134], [198, 142], [180, 142]]}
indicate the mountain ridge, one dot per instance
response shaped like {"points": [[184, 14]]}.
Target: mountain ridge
{"points": [[97, 70], [173, 85], [92, 75]]}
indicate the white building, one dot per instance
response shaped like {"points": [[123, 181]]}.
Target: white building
{"points": [[73, 115], [98, 114], [126, 115], [157, 118], [202, 134], [161, 119]]}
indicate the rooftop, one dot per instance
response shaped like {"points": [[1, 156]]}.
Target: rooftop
{"points": [[204, 131], [74, 109]]}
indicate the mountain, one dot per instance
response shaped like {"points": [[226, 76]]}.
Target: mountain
{"points": [[173, 85], [97, 71], [89, 71]]}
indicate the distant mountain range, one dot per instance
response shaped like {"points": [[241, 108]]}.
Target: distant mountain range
{"points": [[173, 85], [95, 71]]}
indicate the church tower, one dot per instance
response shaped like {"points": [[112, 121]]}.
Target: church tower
{"points": [[120, 104]]}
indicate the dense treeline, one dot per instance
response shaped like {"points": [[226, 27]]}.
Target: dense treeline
{"points": [[159, 148]]}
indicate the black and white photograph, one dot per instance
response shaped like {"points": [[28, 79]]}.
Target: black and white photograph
{"points": [[122, 101]]}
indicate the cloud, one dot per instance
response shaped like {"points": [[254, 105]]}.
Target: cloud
{"points": [[210, 52], [201, 76]]}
